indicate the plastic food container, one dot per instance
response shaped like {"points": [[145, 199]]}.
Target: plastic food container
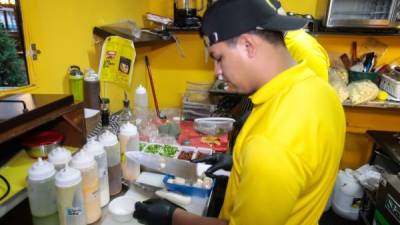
{"points": [[187, 153], [142, 145], [355, 76], [187, 189], [198, 86], [215, 126], [121, 208], [180, 151], [391, 84], [202, 152], [160, 149]]}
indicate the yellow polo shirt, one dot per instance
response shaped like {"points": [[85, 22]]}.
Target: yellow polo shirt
{"points": [[287, 154], [303, 46]]}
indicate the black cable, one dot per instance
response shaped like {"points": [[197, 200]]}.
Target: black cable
{"points": [[8, 187]]}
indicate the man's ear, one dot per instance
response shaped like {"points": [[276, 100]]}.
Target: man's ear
{"points": [[249, 43]]}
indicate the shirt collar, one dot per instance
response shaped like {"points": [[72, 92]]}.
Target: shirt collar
{"points": [[280, 82]]}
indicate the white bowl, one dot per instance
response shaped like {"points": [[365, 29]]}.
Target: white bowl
{"points": [[121, 208]]}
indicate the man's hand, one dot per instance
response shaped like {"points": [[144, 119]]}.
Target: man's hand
{"points": [[218, 161], [155, 212]]}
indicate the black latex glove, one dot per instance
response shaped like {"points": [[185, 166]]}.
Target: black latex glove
{"points": [[155, 211], [218, 161]]}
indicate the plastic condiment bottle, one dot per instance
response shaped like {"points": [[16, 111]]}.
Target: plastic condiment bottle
{"points": [[70, 202], [129, 140], [91, 89], [96, 149], [41, 189], [46, 220], [112, 147], [59, 157], [126, 114], [141, 104], [76, 82], [85, 163], [141, 99]]}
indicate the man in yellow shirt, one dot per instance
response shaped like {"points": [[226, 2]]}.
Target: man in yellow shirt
{"points": [[302, 47], [287, 154]]}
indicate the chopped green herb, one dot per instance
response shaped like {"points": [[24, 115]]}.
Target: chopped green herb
{"points": [[141, 146], [153, 149], [168, 151]]}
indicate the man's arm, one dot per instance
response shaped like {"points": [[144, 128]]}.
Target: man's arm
{"points": [[181, 217]]}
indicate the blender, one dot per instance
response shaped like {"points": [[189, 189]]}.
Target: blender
{"points": [[185, 13]]}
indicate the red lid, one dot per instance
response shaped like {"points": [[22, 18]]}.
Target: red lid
{"points": [[43, 138]]}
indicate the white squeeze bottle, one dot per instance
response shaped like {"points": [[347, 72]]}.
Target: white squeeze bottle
{"points": [[113, 151], [59, 157], [86, 164], [129, 140], [141, 104], [41, 189], [141, 99], [96, 149], [70, 202]]}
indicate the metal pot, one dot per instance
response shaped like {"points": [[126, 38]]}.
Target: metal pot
{"points": [[40, 144]]}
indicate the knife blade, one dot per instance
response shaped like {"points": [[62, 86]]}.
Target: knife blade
{"points": [[171, 166]]}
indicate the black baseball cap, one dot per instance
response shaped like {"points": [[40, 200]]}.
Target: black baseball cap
{"points": [[227, 19], [275, 3]]}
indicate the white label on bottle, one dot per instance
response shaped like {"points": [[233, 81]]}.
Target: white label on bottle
{"points": [[74, 215], [75, 211]]}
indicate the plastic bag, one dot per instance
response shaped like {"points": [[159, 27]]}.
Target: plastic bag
{"points": [[362, 91], [368, 176], [337, 79]]}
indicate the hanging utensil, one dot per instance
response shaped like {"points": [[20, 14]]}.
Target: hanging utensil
{"points": [[153, 91]]}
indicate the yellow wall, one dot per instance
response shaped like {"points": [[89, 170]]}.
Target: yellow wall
{"points": [[63, 31], [302, 7]]}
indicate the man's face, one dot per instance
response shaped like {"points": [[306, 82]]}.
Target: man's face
{"points": [[230, 62]]}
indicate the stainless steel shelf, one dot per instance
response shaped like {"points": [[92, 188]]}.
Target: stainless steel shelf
{"points": [[146, 38]]}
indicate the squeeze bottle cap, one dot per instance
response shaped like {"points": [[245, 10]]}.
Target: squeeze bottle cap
{"points": [[41, 170], [94, 147], [91, 75], [141, 90], [82, 160], [68, 177], [128, 129], [108, 139], [59, 156]]}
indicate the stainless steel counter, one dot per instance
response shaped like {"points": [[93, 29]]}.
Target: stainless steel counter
{"points": [[21, 213]]}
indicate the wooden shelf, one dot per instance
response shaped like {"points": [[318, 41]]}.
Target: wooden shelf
{"points": [[60, 110], [355, 31], [316, 28], [146, 39]]}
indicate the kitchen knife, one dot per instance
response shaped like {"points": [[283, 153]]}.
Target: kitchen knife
{"points": [[175, 167]]}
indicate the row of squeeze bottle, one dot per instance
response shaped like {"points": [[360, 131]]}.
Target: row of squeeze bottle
{"points": [[73, 191], [78, 192]]}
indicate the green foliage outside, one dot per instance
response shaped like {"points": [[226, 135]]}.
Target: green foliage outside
{"points": [[12, 69]]}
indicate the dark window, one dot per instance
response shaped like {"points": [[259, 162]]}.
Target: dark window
{"points": [[13, 66]]}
